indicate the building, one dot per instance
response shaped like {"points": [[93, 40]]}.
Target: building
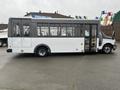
{"points": [[45, 15], [114, 27]]}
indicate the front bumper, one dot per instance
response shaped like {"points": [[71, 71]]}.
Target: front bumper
{"points": [[114, 47]]}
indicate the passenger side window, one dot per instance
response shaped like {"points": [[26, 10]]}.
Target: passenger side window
{"points": [[77, 32], [69, 31], [63, 31], [16, 30], [44, 31], [26, 30], [82, 30], [55, 31]]}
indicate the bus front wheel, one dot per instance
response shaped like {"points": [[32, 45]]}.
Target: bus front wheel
{"points": [[107, 49], [42, 51]]}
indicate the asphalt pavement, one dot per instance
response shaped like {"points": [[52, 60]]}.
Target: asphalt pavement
{"points": [[60, 71]]}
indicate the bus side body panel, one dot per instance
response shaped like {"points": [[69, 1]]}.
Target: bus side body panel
{"points": [[59, 45], [56, 45]]}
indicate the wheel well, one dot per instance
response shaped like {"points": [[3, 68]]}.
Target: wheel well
{"points": [[42, 45], [108, 44]]}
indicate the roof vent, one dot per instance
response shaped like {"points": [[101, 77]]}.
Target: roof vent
{"points": [[56, 12]]}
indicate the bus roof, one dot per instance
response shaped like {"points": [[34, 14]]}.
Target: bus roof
{"points": [[57, 20]]}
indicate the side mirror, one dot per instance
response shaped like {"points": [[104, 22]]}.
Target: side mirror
{"points": [[113, 35]]}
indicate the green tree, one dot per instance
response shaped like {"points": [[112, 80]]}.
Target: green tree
{"points": [[117, 17]]}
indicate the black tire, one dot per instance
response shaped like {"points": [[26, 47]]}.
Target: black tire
{"points": [[42, 51], [107, 49], [1, 43]]}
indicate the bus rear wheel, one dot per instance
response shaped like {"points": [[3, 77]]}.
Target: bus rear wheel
{"points": [[42, 51], [107, 49]]}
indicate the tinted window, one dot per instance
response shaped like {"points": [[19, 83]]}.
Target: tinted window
{"points": [[63, 31], [16, 30], [44, 31], [54, 31], [69, 31], [26, 30]]}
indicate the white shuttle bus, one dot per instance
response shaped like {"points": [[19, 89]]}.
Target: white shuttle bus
{"points": [[45, 36]]}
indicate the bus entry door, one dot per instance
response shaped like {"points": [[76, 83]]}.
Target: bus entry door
{"points": [[91, 38]]}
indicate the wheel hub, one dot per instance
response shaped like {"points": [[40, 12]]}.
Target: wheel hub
{"points": [[107, 49], [42, 52]]}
